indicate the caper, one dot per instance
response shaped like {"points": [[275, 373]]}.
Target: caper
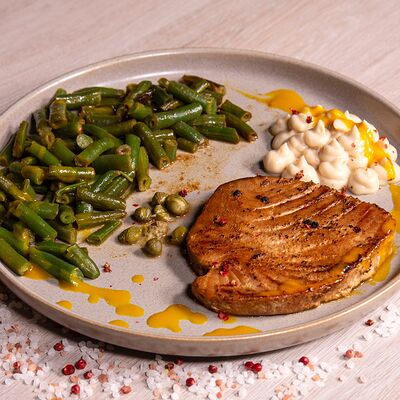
{"points": [[130, 235], [176, 205], [161, 214], [158, 198], [178, 235], [142, 214], [153, 247]]}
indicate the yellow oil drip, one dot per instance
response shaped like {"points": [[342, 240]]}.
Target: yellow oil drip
{"points": [[231, 320], [138, 279], [119, 322], [119, 299], [288, 100], [65, 303], [383, 271], [237, 330], [395, 190], [171, 317]]}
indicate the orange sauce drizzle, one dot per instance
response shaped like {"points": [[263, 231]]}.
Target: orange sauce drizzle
{"points": [[65, 303], [119, 322], [237, 330]]}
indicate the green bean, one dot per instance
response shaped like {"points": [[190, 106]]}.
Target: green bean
{"points": [[58, 92], [163, 100], [43, 128], [229, 107], [104, 91], [218, 97], [93, 151], [95, 218], [44, 209], [165, 119], [22, 233], [209, 120], [123, 150], [3, 196], [244, 130], [103, 120], [183, 130], [103, 110], [133, 142], [121, 128], [104, 181], [188, 95], [153, 247], [176, 205], [200, 85], [139, 111], [113, 161], [10, 257], [139, 89], [110, 101], [56, 266], [66, 190], [36, 223], [66, 214], [142, 171], [71, 174], [67, 233], [58, 114], [74, 101], [40, 189], [178, 235], [130, 235], [82, 207], [101, 133], [216, 87], [6, 152], [55, 248], [62, 152], [163, 134], [224, 134], [170, 147], [34, 173], [120, 185], [99, 200], [77, 256], [42, 154], [16, 178], [154, 149], [74, 126], [12, 189], [27, 188], [83, 141], [98, 237], [19, 141], [187, 145], [22, 246]]}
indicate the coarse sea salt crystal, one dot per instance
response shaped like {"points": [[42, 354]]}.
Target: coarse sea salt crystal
{"points": [[242, 393], [350, 364], [361, 379]]}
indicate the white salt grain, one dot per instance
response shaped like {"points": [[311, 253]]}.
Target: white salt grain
{"points": [[350, 364]]}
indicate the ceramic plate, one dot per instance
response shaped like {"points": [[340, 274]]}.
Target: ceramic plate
{"points": [[167, 279]]}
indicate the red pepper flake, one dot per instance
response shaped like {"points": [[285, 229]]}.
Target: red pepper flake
{"points": [[184, 192], [59, 346], [309, 119], [249, 364], [81, 364], [169, 366], [220, 221], [304, 360], [212, 369], [353, 145], [69, 369], [107, 267], [155, 279], [294, 111], [349, 353], [299, 175], [358, 354], [257, 367], [88, 374], [135, 205], [75, 389], [223, 316], [179, 361], [225, 267], [369, 322], [125, 389], [190, 382]]}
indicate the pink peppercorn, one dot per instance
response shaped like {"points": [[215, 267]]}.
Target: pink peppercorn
{"points": [[190, 382], [304, 360]]}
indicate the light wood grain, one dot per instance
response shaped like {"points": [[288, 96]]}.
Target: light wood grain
{"points": [[43, 39]]}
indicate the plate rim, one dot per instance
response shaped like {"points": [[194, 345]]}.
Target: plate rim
{"points": [[11, 280]]}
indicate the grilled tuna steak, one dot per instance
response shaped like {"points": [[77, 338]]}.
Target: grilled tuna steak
{"points": [[267, 245]]}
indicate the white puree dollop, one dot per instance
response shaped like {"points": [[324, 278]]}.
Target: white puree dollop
{"points": [[333, 156]]}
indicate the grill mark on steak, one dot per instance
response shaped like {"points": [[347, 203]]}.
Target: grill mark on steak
{"points": [[277, 263]]}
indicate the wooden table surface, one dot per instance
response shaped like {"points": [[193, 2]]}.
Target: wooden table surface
{"points": [[43, 39]]}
